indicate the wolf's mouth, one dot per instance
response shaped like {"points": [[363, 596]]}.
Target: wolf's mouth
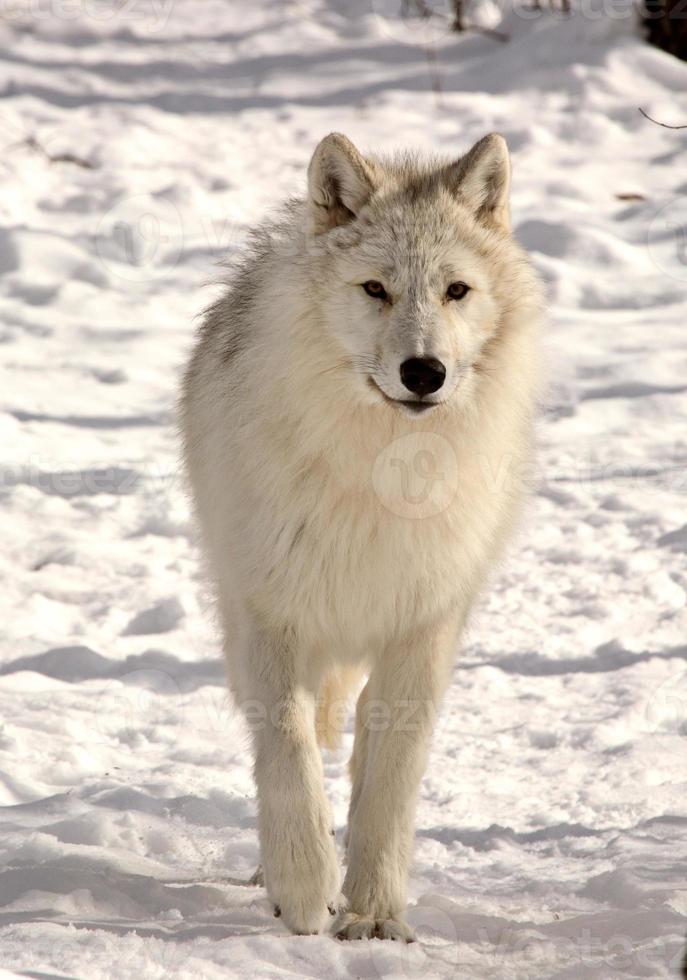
{"points": [[417, 406]]}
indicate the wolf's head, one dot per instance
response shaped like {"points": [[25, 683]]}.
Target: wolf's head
{"points": [[417, 271]]}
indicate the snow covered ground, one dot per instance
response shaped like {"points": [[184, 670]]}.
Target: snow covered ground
{"points": [[552, 824]]}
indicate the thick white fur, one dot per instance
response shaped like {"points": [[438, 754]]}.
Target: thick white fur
{"points": [[320, 561]]}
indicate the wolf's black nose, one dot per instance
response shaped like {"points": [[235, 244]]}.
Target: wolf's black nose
{"points": [[423, 375]]}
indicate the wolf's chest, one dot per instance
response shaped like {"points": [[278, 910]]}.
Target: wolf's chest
{"points": [[359, 571], [372, 543]]}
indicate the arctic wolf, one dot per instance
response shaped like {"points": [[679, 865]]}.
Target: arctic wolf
{"points": [[357, 419]]}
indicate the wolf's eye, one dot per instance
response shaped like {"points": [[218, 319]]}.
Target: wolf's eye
{"points": [[457, 290], [374, 289]]}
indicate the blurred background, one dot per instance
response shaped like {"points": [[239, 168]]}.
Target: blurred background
{"points": [[141, 140]]}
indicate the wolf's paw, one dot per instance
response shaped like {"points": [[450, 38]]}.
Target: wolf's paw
{"points": [[349, 925], [304, 887], [305, 915], [334, 908]]}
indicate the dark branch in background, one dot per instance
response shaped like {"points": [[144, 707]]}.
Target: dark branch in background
{"points": [[434, 73], [666, 25], [457, 23], [33, 144], [657, 123]]}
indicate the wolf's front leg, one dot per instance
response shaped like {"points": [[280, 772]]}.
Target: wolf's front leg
{"points": [[395, 722], [294, 818]]}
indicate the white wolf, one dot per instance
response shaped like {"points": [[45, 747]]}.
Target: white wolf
{"points": [[357, 418]]}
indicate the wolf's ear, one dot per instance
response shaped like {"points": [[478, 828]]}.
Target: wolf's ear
{"points": [[340, 181], [482, 179]]}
